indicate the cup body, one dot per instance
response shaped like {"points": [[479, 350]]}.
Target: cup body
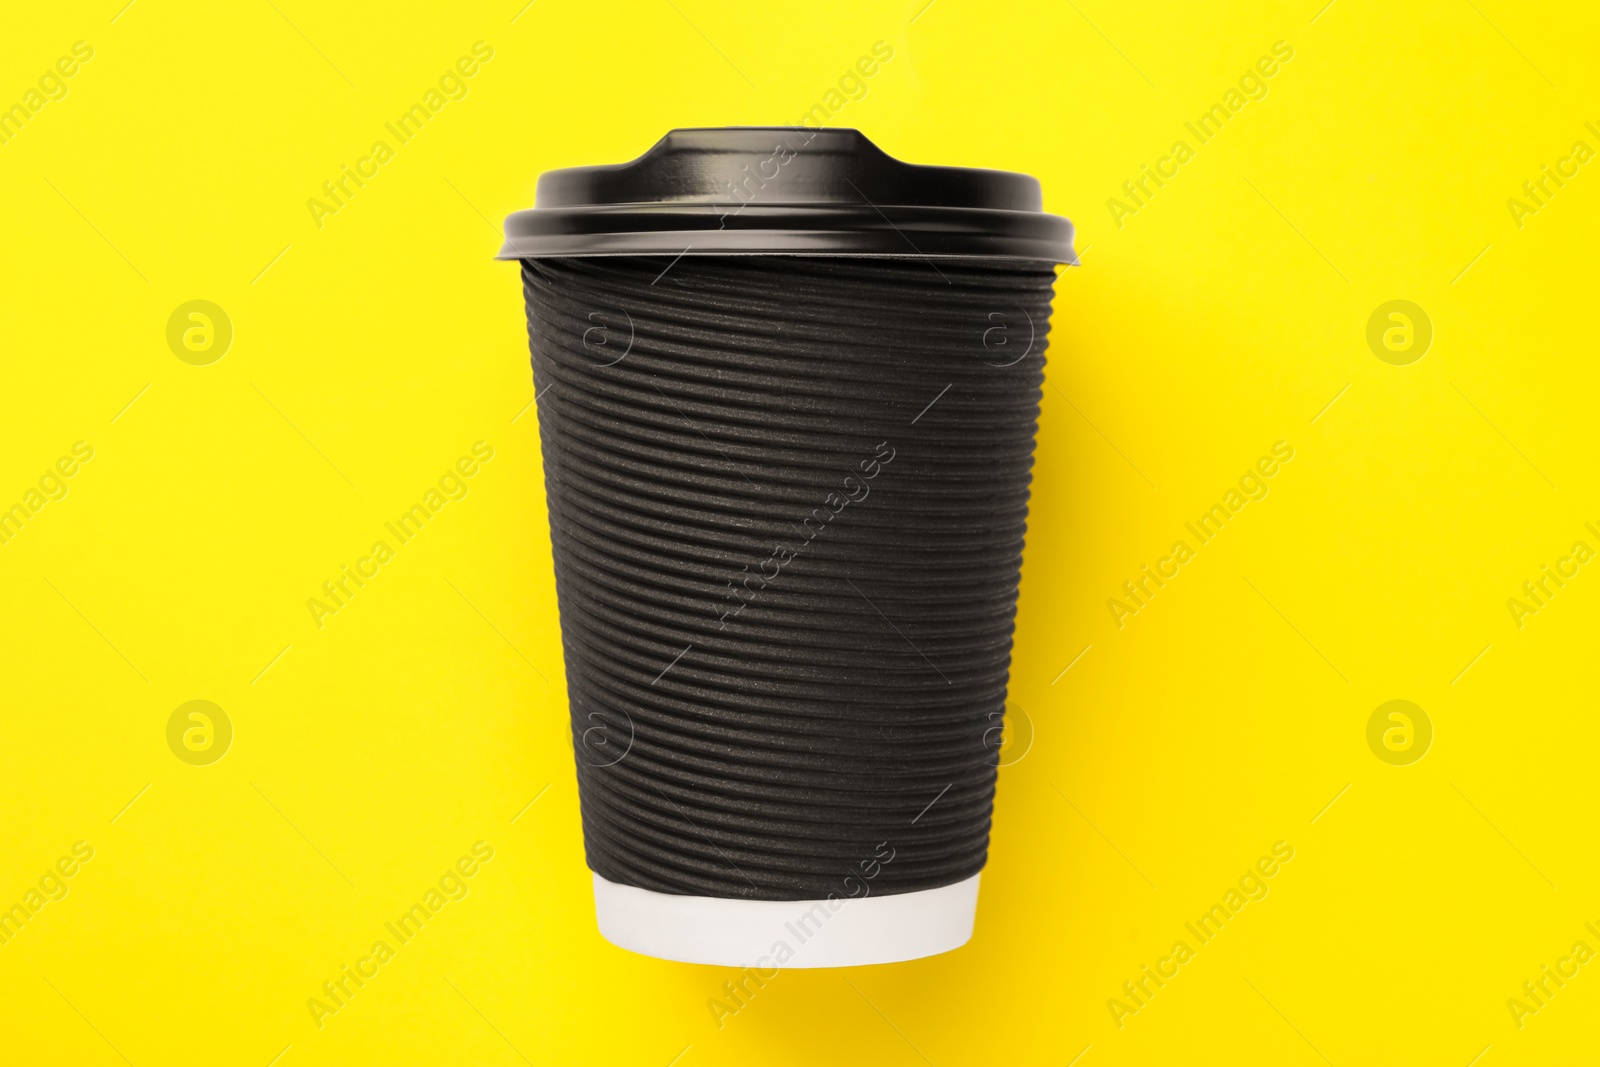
{"points": [[787, 499]]}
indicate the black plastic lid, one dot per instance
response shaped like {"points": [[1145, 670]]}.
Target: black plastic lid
{"points": [[752, 190]]}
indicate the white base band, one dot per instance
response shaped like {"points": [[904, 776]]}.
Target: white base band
{"points": [[842, 932]]}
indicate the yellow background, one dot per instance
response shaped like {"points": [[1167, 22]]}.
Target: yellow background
{"points": [[426, 715]]}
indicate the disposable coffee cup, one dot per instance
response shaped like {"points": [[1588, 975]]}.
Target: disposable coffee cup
{"points": [[787, 390]]}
